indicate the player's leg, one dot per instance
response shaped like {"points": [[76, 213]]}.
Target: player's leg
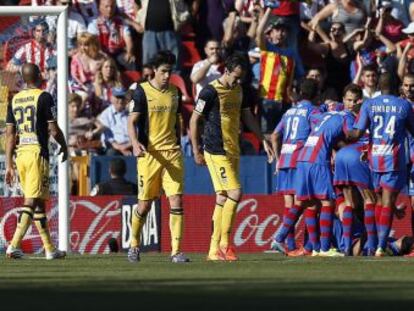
{"points": [[412, 214], [389, 198], [346, 218], [311, 222], [149, 188], [221, 198], [325, 224], [290, 239], [369, 220], [173, 185]]}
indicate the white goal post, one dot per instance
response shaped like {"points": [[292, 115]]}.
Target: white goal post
{"points": [[62, 87]]}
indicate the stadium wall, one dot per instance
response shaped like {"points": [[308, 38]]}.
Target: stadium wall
{"points": [[96, 220]]}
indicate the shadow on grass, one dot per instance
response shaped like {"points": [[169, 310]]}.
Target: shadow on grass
{"points": [[213, 294]]}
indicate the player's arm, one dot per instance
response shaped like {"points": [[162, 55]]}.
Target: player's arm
{"points": [[138, 106], [57, 134], [195, 133], [361, 124], [10, 146], [252, 124]]}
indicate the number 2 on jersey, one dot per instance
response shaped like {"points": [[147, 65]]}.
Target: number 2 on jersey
{"points": [[379, 124], [25, 118]]}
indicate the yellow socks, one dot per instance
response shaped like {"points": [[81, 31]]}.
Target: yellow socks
{"points": [[227, 219], [23, 223], [138, 222], [40, 221], [216, 234], [176, 229]]}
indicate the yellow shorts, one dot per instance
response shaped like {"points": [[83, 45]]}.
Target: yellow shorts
{"points": [[33, 170], [160, 170], [224, 171]]}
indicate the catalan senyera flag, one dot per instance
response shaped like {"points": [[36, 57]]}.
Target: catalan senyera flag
{"points": [[276, 71]]}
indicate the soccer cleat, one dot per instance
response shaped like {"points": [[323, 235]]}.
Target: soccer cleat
{"points": [[277, 246], [133, 255], [56, 254], [215, 256], [380, 252], [298, 252], [331, 253], [14, 253], [410, 254], [228, 254], [315, 254], [179, 258]]}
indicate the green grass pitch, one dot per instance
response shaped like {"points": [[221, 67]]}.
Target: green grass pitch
{"points": [[256, 282]]}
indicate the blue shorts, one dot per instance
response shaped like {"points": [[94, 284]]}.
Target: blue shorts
{"points": [[313, 181], [285, 181], [350, 170], [393, 181]]}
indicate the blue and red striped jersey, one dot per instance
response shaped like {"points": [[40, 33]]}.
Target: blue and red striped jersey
{"points": [[295, 126], [322, 139], [387, 117]]}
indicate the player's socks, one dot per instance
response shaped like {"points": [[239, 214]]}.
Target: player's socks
{"points": [[289, 221], [385, 226], [176, 229], [228, 216], [370, 227], [378, 209], [40, 221], [290, 239], [312, 228], [138, 222], [307, 243], [347, 227], [325, 225], [23, 223], [412, 221], [216, 230]]}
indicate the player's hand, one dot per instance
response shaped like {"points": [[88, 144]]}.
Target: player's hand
{"points": [[276, 167], [364, 156], [199, 158], [138, 149], [64, 151], [10, 176], [269, 151]]}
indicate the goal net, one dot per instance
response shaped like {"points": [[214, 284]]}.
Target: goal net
{"points": [[17, 26]]}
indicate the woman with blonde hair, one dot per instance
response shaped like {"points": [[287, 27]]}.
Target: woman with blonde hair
{"points": [[86, 63]]}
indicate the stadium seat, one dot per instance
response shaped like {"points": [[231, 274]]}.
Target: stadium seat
{"points": [[129, 77], [190, 54], [178, 81], [252, 139]]}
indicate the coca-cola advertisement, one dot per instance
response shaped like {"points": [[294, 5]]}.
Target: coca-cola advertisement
{"points": [[258, 218]]}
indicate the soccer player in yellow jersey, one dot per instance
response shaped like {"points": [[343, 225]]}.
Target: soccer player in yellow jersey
{"points": [[222, 106], [156, 110], [31, 118]]}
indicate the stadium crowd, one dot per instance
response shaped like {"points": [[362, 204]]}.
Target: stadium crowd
{"points": [[311, 66]]}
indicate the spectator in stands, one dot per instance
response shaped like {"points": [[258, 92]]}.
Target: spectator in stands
{"points": [[350, 13], [336, 54], [106, 78], [326, 94], [129, 12], [247, 10], [85, 64], [87, 8], [162, 21], [409, 31], [276, 81], [147, 74], [368, 75], [405, 64], [114, 35], [117, 185], [388, 25], [208, 69], [37, 51], [79, 127], [112, 124]]}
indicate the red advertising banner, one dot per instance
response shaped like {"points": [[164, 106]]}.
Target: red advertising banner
{"points": [[258, 219]]}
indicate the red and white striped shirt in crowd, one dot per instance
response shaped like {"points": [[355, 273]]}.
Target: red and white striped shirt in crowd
{"points": [[111, 34], [33, 52], [43, 2]]}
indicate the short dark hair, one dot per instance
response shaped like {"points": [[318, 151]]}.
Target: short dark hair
{"points": [[235, 60], [163, 58], [370, 67], [354, 89], [117, 167], [316, 67], [308, 89]]}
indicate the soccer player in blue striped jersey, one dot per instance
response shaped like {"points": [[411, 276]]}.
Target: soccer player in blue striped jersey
{"points": [[350, 172], [292, 131], [313, 181], [387, 117]]}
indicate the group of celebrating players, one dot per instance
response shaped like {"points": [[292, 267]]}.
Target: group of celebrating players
{"points": [[357, 155]]}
